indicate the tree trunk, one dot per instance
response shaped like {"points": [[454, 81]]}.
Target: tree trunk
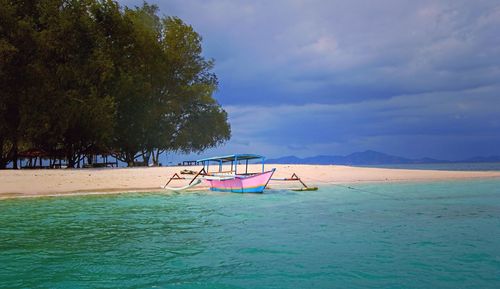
{"points": [[70, 156], [129, 159], [3, 160], [145, 157], [14, 154], [156, 157]]}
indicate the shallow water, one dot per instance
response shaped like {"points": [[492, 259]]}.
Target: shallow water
{"points": [[442, 166], [421, 235]]}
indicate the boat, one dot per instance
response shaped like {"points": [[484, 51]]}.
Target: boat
{"points": [[232, 180]]}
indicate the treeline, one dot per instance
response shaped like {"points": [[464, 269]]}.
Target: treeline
{"points": [[83, 76]]}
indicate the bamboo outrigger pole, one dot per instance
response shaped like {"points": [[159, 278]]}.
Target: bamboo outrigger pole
{"points": [[202, 172], [294, 177], [176, 176]]}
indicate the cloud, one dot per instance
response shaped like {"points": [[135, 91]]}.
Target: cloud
{"points": [[311, 51], [310, 77], [398, 123]]}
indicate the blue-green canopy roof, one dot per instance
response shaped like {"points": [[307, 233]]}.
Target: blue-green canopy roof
{"points": [[231, 158]]}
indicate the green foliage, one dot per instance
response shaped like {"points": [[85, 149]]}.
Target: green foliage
{"points": [[198, 122], [80, 76]]}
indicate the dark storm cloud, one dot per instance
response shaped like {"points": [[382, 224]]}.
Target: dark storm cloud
{"points": [[403, 122], [418, 78]]}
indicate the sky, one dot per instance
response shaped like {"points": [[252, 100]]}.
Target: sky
{"points": [[305, 78]]}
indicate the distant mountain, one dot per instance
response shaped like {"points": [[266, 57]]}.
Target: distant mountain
{"points": [[286, 160], [370, 157]]}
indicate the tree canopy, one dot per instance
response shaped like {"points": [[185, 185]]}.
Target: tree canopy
{"points": [[80, 76]]}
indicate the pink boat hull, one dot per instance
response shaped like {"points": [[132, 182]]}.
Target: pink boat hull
{"points": [[241, 183]]}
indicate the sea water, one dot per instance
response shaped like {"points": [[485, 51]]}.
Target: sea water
{"points": [[399, 235], [442, 166]]}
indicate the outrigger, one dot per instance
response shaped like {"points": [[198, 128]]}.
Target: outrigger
{"points": [[233, 180]]}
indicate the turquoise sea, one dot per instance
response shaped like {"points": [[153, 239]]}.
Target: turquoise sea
{"points": [[443, 166], [411, 235]]}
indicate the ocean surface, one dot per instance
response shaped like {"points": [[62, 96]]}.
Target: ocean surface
{"points": [[443, 166], [411, 235]]}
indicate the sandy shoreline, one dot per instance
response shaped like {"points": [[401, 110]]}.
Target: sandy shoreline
{"points": [[33, 183]]}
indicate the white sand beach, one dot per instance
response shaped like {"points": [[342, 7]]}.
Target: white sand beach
{"points": [[32, 183]]}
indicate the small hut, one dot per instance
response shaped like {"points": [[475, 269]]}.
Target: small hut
{"points": [[32, 157], [99, 158]]}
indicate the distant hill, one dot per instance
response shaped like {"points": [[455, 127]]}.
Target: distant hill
{"points": [[370, 157]]}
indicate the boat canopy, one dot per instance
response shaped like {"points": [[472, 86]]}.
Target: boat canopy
{"points": [[233, 159]]}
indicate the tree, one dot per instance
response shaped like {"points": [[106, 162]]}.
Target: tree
{"points": [[191, 120], [72, 110], [165, 97], [138, 76], [86, 75], [16, 77]]}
